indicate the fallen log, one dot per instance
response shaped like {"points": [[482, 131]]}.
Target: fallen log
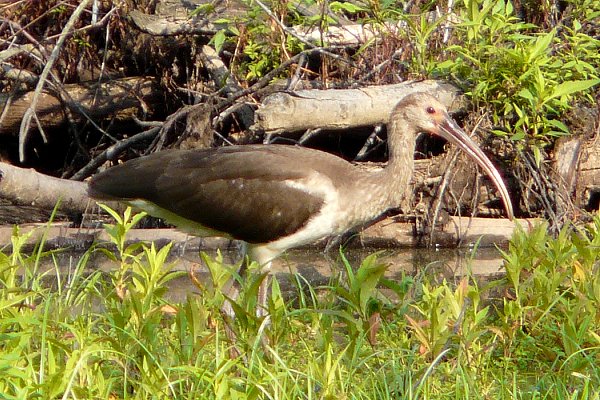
{"points": [[346, 35], [458, 232], [587, 191], [577, 168], [161, 25], [120, 99], [337, 109], [28, 187]]}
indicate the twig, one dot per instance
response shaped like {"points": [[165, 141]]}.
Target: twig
{"points": [[97, 24], [112, 152], [547, 193], [298, 73], [25, 124], [264, 81], [437, 202], [161, 137], [218, 71], [293, 34], [309, 134], [7, 106], [21, 30], [381, 66], [147, 124], [64, 95], [372, 143], [447, 25]]}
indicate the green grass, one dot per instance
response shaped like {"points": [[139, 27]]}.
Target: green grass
{"points": [[532, 335]]}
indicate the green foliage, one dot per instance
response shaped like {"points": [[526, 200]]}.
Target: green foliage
{"points": [[260, 45], [360, 298], [556, 294], [89, 334], [526, 80], [524, 76], [422, 33]]}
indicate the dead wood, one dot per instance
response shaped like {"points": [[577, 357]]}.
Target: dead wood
{"points": [[218, 71], [113, 152], [342, 109], [346, 35], [389, 232], [30, 113], [341, 31], [121, 99], [28, 187], [158, 25], [565, 188], [174, 18], [456, 231], [567, 153], [586, 183]]}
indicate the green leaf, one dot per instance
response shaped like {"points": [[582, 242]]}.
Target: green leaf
{"points": [[369, 276], [519, 135], [526, 94], [447, 64], [226, 21], [116, 216], [558, 124], [203, 9], [337, 6], [219, 39], [542, 46], [570, 87]]}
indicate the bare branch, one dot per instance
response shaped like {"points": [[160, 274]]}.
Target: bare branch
{"points": [[25, 124]]}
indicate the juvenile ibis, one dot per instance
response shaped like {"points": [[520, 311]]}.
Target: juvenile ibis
{"points": [[276, 197]]}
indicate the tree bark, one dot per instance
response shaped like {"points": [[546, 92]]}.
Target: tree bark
{"points": [[28, 187], [577, 167], [342, 109], [121, 99]]}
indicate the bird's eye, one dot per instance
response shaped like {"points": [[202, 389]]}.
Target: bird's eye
{"points": [[430, 110]]}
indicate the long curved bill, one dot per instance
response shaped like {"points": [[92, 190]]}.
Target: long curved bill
{"points": [[450, 131]]}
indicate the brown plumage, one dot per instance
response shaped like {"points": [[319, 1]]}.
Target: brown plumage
{"points": [[276, 197]]}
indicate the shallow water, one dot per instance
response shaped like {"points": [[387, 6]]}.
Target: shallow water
{"points": [[315, 266]]}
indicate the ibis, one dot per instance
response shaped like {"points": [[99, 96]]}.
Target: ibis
{"points": [[277, 197]]}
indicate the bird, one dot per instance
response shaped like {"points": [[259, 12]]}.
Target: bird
{"points": [[277, 197]]}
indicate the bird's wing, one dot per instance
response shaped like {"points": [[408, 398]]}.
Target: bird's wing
{"points": [[252, 193]]}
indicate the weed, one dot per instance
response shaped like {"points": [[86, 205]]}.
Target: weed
{"points": [[526, 80], [116, 334]]}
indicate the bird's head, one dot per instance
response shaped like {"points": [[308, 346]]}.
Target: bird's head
{"points": [[421, 112], [424, 112]]}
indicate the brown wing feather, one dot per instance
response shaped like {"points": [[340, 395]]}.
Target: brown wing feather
{"points": [[239, 190]]}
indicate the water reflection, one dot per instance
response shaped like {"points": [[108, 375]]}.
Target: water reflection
{"points": [[316, 267]]}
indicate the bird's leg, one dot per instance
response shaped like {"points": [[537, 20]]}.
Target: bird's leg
{"points": [[264, 256], [233, 286], [232, 291], [262, 307]]}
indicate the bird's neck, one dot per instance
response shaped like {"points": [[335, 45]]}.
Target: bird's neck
{"points": [[399, 171]]}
